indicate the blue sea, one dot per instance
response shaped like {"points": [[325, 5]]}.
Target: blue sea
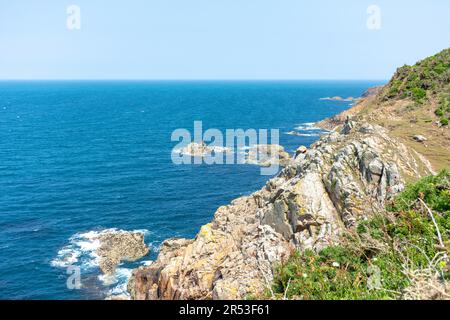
{"points": [[78, 158]]}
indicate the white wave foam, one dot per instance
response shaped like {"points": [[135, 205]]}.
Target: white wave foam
{"points": [[307, 126], [82, 251], [299, 134], [307, 129], [121, 278]]}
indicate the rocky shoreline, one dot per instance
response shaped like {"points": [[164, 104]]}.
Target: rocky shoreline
{"points": [[367, 155], [346, 176]]}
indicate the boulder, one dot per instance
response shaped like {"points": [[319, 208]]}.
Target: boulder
{"points": [[300, 150], [348, 126], [419, 138]]}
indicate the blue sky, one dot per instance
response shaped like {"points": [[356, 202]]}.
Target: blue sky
{"points": [[217, 39]]}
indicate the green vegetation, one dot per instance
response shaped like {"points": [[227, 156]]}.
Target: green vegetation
{"points": [[424, 80], [394, 255], [418, 94], [443, 110]]}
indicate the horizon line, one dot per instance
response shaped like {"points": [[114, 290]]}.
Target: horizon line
{"points": [[187, 79]]}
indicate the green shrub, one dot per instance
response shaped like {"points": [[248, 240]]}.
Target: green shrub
{"points": [[405, 232], [418, 94], [444, 121], [434, 190], [440, 68], [426, 78], [439, 112]]}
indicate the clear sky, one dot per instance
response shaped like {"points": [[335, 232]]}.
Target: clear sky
{"points": [[217, 39]]}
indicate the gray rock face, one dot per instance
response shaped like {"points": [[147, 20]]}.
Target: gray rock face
{"points": [[366, 128], [348, 126], [345, 176]]}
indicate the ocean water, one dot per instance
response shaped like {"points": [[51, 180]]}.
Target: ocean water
{"points": [[78, 158]]}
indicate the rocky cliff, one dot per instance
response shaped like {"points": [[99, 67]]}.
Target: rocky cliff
{"points": [[345, 176]]}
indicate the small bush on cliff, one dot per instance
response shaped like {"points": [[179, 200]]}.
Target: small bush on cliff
{"points": [[401, 253], [418, 94], [443, 110], [439, 112]]}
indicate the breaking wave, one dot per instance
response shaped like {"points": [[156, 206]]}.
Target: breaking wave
{"points": [[81, 251]]}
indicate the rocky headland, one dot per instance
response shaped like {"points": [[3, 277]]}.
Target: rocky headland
{"points": [[346, 177]]}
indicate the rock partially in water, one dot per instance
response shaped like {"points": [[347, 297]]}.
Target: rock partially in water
{"points": [[196, 149], [117, 246], [338, 98], [201, 149]]}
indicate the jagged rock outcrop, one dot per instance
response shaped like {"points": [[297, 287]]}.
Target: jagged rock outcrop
{"points": [[347, 175], [266, 155], [117, 246], [201, 149]]}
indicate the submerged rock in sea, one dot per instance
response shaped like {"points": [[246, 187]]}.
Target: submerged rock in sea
{"points": [[117, 246], [346, 176]]}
